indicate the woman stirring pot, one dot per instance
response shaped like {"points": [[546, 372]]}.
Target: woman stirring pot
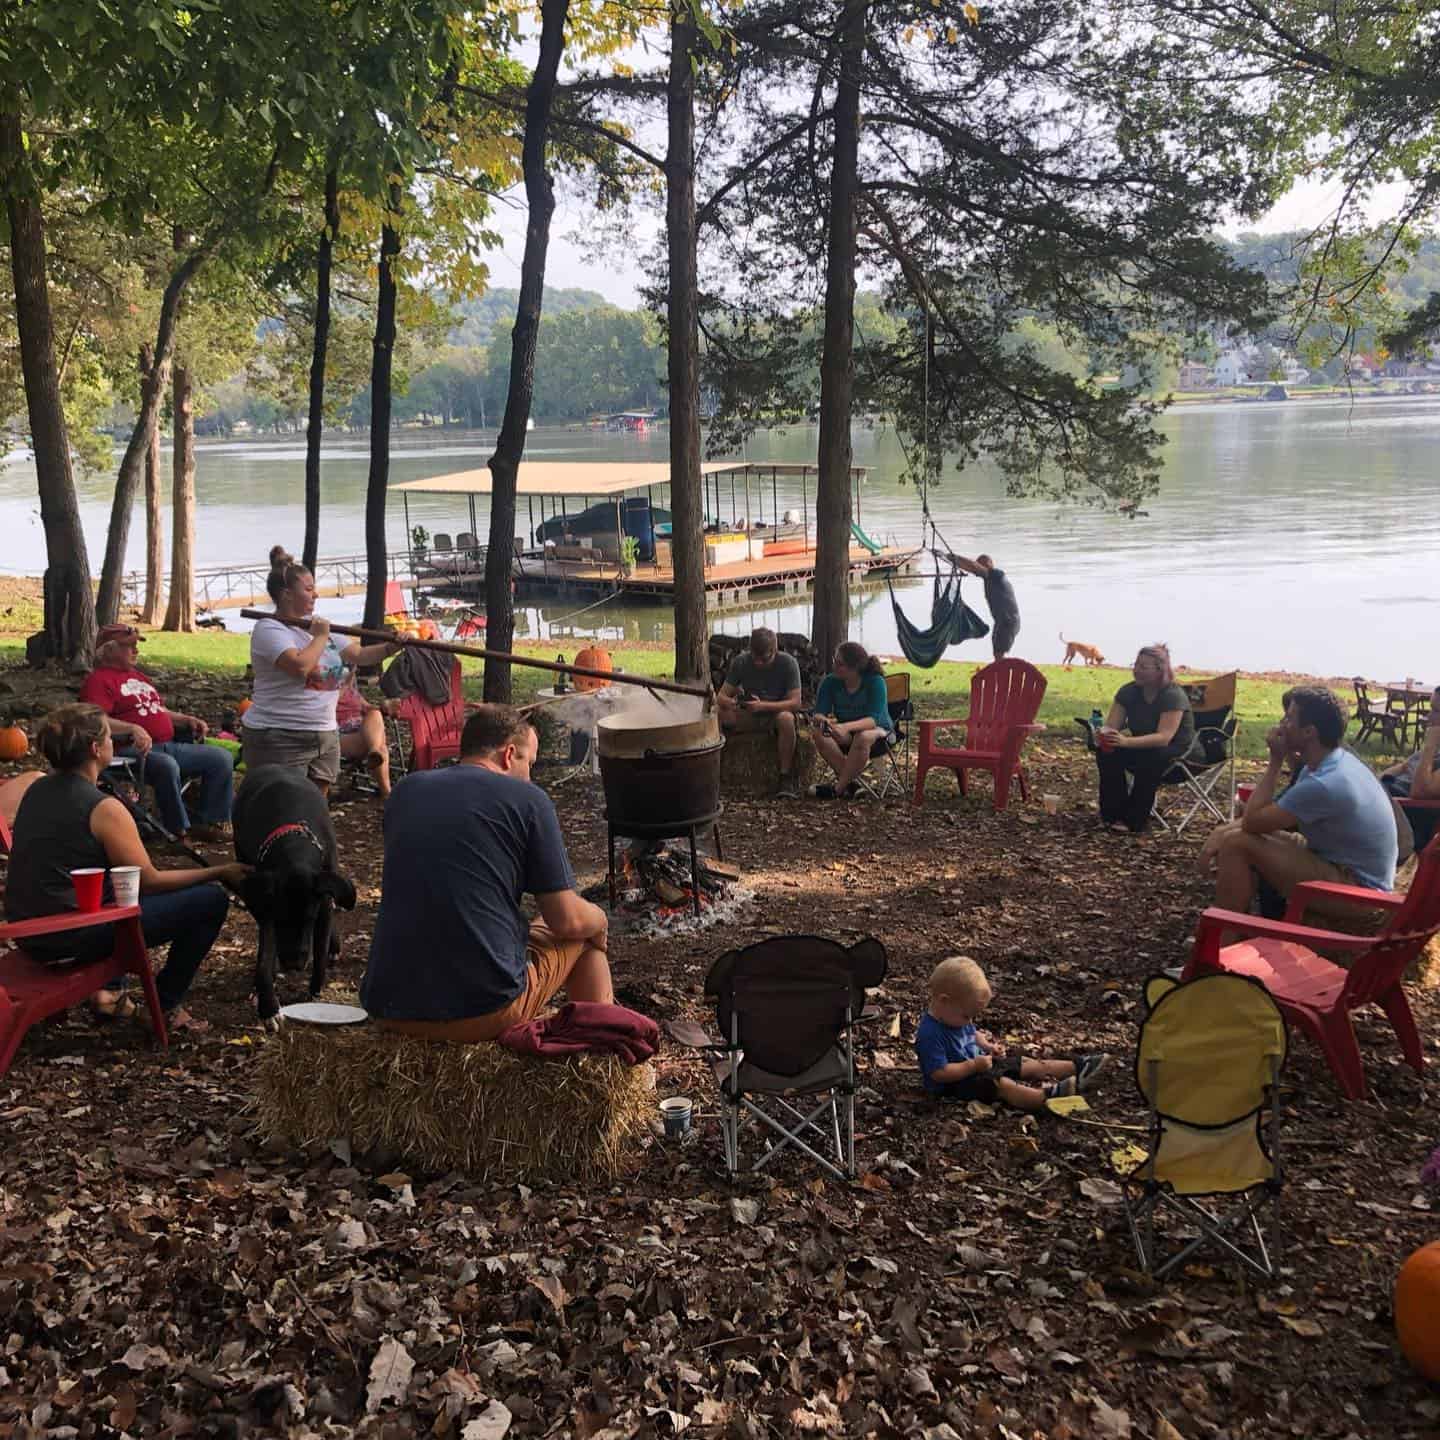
{"points": [[298, 670]]}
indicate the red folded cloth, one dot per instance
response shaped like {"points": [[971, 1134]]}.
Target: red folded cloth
{"points": [[585, 1028]]}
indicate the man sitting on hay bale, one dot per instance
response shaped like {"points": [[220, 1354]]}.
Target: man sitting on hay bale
{"points": [[454, 957], [762, 692]]}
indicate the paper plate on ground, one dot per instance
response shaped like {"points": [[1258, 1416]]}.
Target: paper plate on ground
{"points": [[317, 1012]]}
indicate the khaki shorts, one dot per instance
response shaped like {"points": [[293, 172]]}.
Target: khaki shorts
{"points": [[549, 963], [746, 722], [316, 752], [1307, 865]]}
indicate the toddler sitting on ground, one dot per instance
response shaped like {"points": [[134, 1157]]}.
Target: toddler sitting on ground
{"points": [[959, 1062]]}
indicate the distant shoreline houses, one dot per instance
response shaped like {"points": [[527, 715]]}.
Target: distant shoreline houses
{"points": [[1252, 362]]}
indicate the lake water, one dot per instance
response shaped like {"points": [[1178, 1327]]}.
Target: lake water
{"points": [[1302, 536]]}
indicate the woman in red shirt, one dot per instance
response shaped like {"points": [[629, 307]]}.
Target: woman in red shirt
{"points": [[142, 726]]}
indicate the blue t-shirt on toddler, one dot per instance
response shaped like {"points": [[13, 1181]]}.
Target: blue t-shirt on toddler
{"points": [[938, 1045], [1346, 817]]}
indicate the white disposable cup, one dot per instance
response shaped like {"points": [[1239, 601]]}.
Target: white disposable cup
{"points": [[1051, 803], [125, 881], [675, 1112]]}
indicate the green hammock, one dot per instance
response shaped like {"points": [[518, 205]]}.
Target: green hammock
{"points": [[952, 622]]}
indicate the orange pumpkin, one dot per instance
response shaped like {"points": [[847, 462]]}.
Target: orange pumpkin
{"points": [[1417, 1310], [592, 657], [14, 742], [243, 706]]}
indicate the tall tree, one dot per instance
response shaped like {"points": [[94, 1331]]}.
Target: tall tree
{"points": [[180, 615], [315, 426], [377, 485], [510, 443], [152, 608], [692, 650], [831, 617], [1014, 164], [69, 632]]}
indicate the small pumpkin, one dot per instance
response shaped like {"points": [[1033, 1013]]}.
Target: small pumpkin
{"points": [[592, 657], [1417, 1310], [14, 742], [243, 706]]}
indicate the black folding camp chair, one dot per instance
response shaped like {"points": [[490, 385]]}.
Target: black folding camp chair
{"points": [[888, 772], [787, 1007], [124, 779]]}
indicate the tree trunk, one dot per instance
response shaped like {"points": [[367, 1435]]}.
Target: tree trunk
{"points": [[837, 359], [316, 424], [107, 603], [692, 644], [153, 609], [510, 443], [376, 549], [181, 613], [69, 632]]}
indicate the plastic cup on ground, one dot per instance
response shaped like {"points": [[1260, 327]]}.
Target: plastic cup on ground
{"points": [[125, 881], [89, 889], [676, 1113], [1051, 803]]}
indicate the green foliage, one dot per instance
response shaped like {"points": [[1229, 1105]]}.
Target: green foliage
{"points": [[586, 362]]}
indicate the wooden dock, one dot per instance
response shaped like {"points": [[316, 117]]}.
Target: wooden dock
{"points": [[725, 585]]}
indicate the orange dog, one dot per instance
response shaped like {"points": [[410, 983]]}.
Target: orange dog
{"points": [[1090, 654]]}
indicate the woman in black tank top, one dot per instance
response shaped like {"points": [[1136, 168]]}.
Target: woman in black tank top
{"points": [[66, 823]]}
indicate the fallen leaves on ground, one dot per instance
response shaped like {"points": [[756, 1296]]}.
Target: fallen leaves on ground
{"points": [[165, 1271]]}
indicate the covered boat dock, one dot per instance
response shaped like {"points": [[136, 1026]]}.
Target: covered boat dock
{"points": [[602, 529]]}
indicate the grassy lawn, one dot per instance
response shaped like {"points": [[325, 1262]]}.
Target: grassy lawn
{"points": [[944, 690]]}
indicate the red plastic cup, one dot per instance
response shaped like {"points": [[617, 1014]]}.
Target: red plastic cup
{"points": [[1105, 742], [89, 889]]}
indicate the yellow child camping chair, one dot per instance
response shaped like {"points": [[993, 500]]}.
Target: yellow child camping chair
{"points": [[1208, 1066]]}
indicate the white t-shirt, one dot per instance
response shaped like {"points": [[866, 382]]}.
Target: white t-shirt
{"points": [[280, 700]]}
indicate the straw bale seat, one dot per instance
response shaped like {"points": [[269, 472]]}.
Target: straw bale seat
{"points": [[479, 1109], [750, 767]]}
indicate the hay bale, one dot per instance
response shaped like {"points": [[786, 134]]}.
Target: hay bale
{"points": [[750, 765], [479, 1109]]}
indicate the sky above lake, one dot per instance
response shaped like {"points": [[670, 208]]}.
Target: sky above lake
{"points": [[612, 269]]}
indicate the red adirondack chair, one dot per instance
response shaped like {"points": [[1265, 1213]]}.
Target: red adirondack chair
{"points": [[7, 840], [1004, 701], [30, 991], [434, 729], [1317, 994], [394, 599]]}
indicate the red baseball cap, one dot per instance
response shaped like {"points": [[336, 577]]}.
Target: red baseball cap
{"points": [[111, 633]]}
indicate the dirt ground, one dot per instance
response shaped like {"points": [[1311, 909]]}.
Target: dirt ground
{"points": [[165, 1272]]}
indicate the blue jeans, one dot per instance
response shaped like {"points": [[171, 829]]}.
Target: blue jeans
{"points": [[170, 764], [186, 920]]}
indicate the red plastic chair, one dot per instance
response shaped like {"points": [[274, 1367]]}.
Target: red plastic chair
{"points": [[7, 840], [1004, 701], [434, 729], [30, 991], [1314, 992], [394, 598]]}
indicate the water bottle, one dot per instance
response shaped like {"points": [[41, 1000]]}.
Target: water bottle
{"points": [[1096, 719], [562, 679]]}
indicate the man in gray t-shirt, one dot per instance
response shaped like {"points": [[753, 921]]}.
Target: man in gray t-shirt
{"points": [[762, 692], [1000, 597]]}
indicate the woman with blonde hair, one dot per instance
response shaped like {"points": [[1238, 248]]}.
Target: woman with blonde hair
{"points": [[66, 823], [299, 670], [1149, 724]]}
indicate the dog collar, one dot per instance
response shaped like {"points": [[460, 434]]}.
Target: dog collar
{"points": [[295, 827]]}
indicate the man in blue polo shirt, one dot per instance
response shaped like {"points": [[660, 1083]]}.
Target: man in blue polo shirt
{"points": [[1334, 823], [454, 956]]}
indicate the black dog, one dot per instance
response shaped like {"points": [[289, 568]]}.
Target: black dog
{"points": [[283, 829]]}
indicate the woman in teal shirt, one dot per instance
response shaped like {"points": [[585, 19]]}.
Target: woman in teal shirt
{"points": [[851, 714]]}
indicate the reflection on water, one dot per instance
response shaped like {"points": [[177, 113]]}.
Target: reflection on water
{"points": [[1301, 536]]}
